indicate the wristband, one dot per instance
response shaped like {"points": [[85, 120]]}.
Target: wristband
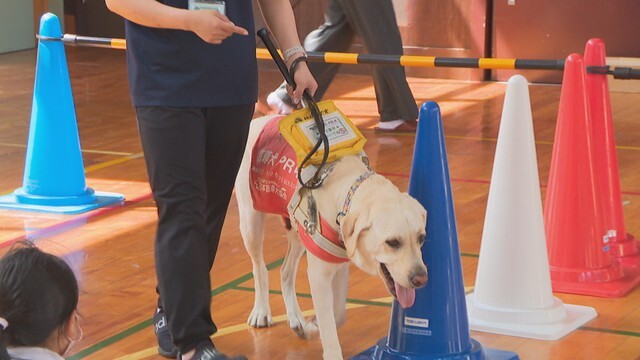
{"points": [[292, 50]]}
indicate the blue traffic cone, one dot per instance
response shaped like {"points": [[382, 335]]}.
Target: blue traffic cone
{"points": [[54, 179], [436, 326]]}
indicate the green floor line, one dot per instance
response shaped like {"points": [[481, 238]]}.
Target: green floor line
{"points": [[112, 340], [235, 285], [147, 324], [385, 304], [308, 296], [470, 255], [610, 331]]}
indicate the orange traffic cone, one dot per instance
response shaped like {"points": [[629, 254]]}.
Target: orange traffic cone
{"points": [[623, 245], [579, 249]]}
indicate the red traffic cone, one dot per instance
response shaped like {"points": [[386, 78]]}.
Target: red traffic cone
{"points": [[580, 258], [623, 245]]}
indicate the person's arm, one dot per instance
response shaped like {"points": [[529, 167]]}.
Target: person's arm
{"points": [[278, 15], [209, 25]]}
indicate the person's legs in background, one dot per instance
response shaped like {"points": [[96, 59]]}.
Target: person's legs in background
{"points": [[375, 21]]}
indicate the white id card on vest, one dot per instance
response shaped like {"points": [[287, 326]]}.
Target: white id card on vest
{"points": [[216, 5]]}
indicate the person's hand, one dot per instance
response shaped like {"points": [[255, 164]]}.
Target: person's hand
{"points": [[212, 27], [304, 81]]}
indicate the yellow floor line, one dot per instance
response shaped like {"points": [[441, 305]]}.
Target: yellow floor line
{"points": [[99, 166], [104, 152], [366, 131], [143, 354], [633, 148], [152, 351], [112, 162]]}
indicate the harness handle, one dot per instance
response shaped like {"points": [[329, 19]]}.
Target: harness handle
{"points": [[316, 180]]}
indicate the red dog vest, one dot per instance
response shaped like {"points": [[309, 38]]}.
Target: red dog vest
{"points": [[273, 183], [273, 171]]}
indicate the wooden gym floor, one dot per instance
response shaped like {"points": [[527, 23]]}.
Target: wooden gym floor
{"points": [[112, 249]]}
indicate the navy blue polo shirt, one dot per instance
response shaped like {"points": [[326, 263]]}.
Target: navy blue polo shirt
{"points": [[178, 68]]}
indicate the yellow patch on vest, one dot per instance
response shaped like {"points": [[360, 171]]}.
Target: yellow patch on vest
{"points": [[301, 132]]}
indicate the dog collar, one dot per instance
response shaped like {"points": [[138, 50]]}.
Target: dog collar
{"points": [[352, 190]]}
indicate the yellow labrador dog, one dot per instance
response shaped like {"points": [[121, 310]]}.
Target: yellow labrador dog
{"points": [[382, 231]]}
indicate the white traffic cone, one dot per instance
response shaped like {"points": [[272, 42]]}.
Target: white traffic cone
{"points": [[513, 293]]}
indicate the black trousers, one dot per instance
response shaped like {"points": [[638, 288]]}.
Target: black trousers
{"points": [[192, 157]]}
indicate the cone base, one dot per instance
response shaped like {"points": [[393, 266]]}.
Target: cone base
{"points": [[615, 288], [630, 261], [575, 316], [628, 247], [102, 199], [24, 197], [382, 352], [554, 313]]}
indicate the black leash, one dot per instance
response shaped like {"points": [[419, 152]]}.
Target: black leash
{"points": [[316, 180]]}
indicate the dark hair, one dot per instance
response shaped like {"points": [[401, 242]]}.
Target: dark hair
{"points": [[38, 294]]}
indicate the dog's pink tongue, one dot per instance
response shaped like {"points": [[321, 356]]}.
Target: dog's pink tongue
{"points": [[406, 297]]}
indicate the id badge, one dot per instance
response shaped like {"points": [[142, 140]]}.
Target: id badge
{"points": [[216, 5]]}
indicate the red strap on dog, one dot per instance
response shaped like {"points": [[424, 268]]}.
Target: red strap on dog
{"points": [[331, 235]]}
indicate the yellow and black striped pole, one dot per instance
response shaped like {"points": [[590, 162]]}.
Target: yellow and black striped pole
{"points": [[403, 60], [426, 61], [94, 41]]}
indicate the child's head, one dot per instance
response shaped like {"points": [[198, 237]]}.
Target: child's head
{"points": [[38, 301]]}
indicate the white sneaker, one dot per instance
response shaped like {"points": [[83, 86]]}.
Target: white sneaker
{"points": [[278, 105]]}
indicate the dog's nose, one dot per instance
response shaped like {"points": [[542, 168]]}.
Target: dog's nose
{"points": [[419, 279]]}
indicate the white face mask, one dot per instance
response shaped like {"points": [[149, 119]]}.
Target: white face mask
{"points": [[72, 341]]}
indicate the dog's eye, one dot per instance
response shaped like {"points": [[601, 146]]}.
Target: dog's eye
{"points": [[421, 239], [393, 243]]}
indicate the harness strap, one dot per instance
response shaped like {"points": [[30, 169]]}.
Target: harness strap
{"points": [[321, 239], [321, 245], [352, 190]]}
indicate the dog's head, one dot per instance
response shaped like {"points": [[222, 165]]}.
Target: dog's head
{"points": [[383, 233]]}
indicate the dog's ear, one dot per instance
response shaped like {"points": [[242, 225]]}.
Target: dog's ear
{"points": [[414, 204], [351, 229]]}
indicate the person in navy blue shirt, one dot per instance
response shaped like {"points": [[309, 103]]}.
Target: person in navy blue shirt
{"points": [[193, 82]]}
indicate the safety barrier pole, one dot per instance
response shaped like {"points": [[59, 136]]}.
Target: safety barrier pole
{"points": [[377, 59]]}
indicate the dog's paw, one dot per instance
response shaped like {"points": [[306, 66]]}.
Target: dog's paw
{"points": [[311, 328], [260, 318], [305, 329], [296, 323]]}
